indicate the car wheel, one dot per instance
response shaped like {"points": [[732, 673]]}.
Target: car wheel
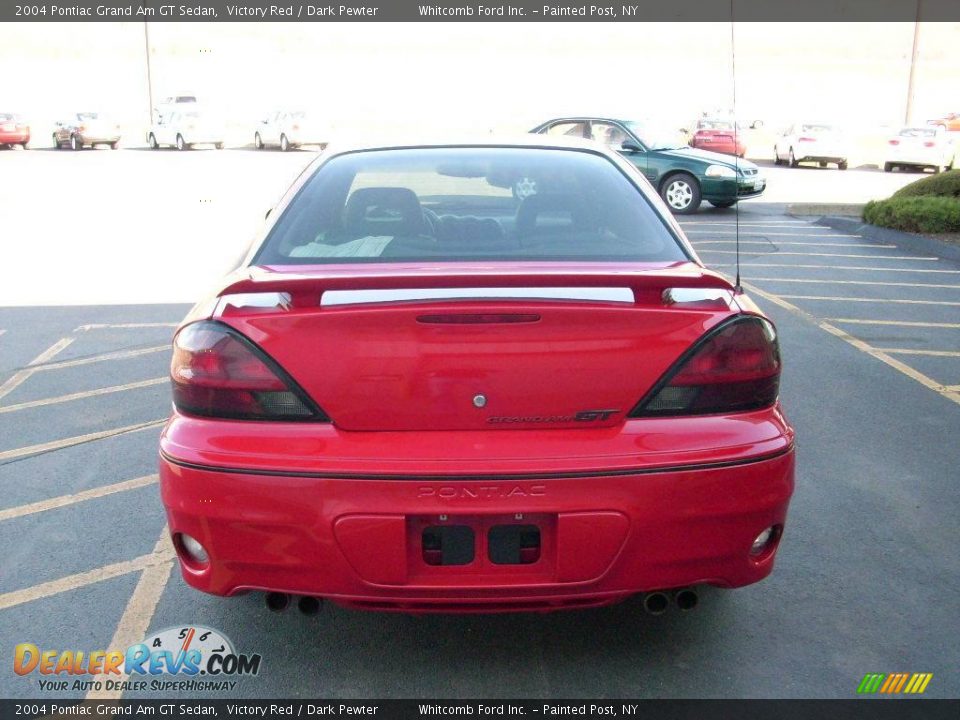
{"points": [[936, 169], [218, 146], [888, 167], [258, 142], [56, 143], [681, 192], [776, 157], [842, 165], [24, 146], [76, 143], [152, 141], [181, 144], [114, 145], [284, 143], [722, 204], [793, 159], [822, 164]]}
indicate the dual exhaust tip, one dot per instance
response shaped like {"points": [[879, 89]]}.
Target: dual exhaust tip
{"points": [[657, 602], [278, 602]]}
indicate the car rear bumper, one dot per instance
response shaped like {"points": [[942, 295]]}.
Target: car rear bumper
{"points": [[15, 137], [361, 539]]}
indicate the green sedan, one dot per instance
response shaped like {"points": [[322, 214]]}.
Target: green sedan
{"points": [[684, 176]]}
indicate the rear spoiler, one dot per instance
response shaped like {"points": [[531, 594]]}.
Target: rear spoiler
{"points": [[305, 287]]}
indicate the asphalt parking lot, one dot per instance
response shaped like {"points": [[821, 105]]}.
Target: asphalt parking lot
{"points": [[867, 577]]}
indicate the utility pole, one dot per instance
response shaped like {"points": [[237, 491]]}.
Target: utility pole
{"points": [[146, 45], [908, 113]]}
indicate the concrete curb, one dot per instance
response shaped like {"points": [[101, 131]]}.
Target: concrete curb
{"points": [[905, 241], [831, 209]]}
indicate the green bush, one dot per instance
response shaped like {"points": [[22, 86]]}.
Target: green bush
{"points": [[922, 214], [943, 185]]}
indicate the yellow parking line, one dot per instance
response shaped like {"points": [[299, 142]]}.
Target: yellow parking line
{"points": [[76, 440], [815, 281], [118, 355], [848, 267], [870, 300], [903, 323], [839, 255], [20, 376], [101, 326], [81, 395], [790, 242], [931, 353], [79, 580], [859, 344], [64, 500], [140, 609]]}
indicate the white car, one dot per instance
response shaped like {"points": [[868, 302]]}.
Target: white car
{"points": [[172, 104], [285, 129], [922, 147], [184, 129], [817, 142]]}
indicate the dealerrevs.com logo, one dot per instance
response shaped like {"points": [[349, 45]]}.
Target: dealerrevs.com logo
{"points": [[200, 658]]}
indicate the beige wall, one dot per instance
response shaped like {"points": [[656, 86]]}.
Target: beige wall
{"points": [[481, 76]]}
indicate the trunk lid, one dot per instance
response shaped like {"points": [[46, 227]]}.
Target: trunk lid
{"points": [[437, 349]]}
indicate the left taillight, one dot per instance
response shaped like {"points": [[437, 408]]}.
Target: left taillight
{"points": [[217, 372], [734, 368]]}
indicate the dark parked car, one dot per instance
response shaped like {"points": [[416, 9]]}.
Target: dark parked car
{"points": [[683, 176], [86, 128]]}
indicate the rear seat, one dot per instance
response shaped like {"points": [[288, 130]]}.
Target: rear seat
{"points": [[472, 232]]}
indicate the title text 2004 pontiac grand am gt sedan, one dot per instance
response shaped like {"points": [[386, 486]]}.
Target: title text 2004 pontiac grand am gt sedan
{"points": [[421, 393]]}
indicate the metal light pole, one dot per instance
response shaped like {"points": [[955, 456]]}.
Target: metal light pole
{"points": [[913, 66], [146, 45]]}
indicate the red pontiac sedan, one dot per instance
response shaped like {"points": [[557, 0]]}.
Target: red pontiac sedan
{"points": [[719, 136], [13, 130], [421, 393]]}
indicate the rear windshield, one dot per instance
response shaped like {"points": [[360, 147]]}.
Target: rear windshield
{"points": [[449, 204], [715, 125]]}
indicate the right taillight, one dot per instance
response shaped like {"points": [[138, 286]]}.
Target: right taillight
{"points": [[733, 368], [217, 372]]}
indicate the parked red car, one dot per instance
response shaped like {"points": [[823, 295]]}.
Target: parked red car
{"points": [[719, 136], [419, 393], [13, 131]]}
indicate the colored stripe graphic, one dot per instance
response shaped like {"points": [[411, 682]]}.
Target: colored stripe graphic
{"points": [[894, 683]]}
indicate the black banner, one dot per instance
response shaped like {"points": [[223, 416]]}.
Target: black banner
{"points": [[854, 709], [492, 11]]}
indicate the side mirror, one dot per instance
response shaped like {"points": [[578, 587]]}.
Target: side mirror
{"points": [[685, 131], [630, 146], [756, 125], [268, 213]]}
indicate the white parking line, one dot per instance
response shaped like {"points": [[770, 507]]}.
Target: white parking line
{"points": [[79, 580], [84, 394], [140, 608], [848, 267], [20, 376], [753, 223], [774, 234], [806, 254], [101, 326], [903, 323], [943, 390], [64, 500], [801, 244], [929, 353], [118, 355], [870, 300], [76, 440], [816, 281]]}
